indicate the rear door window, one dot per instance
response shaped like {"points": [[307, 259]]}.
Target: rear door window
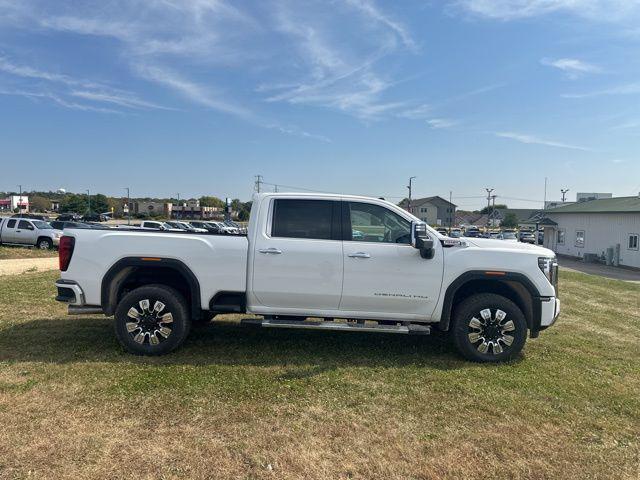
{"points": [[11, 224], [299, 218]]}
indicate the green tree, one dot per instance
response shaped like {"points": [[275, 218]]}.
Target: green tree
{"points": [[74, 203], [497, 207], [207, 201], [510, 220], [99, 203], [39, 204]]}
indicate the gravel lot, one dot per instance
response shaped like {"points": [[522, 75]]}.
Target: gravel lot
{"points": [[22, 265]]}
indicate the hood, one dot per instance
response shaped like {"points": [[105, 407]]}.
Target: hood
{"points": [[506, 245]]}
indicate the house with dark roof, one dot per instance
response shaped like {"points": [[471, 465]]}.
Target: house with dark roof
{"points": [[608, 228], [432, 210]]}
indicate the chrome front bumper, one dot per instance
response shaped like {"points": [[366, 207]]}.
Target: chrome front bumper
{"points": [[550, 310]]}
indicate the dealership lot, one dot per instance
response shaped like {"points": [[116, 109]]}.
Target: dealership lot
{"points": [[238, 402]]}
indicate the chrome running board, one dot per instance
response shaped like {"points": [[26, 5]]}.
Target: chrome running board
{"points": [[411, 329]]}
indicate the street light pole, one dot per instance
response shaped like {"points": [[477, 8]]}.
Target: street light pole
{"points": [[410, 187], [178, 206], [564, 193], [128, 206], [89, 201], [19, 200]]}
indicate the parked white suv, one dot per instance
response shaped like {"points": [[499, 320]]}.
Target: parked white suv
{"points": [[302, 259], [25, 231]]}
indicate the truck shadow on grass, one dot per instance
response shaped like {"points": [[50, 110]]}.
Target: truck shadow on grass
{"points": [[225, 343]]}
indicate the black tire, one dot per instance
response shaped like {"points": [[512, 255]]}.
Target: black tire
{"points": [[44, 243], [138, 335], [498, 339]]}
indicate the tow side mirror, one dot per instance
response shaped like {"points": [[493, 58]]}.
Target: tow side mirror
{"points": [[421, 240]]}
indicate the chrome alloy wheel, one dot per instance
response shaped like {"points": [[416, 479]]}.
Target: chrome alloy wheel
{"points": [[490, 333], [149, 326]]}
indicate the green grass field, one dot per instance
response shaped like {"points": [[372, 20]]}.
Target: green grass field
{"points": [[237, 402], [9, 252]]}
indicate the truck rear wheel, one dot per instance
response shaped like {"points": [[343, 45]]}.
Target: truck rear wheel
{"points": [[488, 328], [152, 320]]}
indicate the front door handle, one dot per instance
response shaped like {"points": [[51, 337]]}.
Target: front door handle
{"points": [[274, 251], [359, 255]]}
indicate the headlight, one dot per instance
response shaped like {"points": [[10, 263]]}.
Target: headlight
{"points": [[549, 266]]}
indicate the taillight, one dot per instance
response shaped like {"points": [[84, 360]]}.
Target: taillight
{"points": [[65, 251]]}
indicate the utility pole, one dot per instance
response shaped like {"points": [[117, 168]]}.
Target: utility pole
{"points": [[128, 206], [452, 211], [178, 216], [489, 190], [410, 188], [544, 205], [258, 183], [493, 211], [19, 200], [89, 201], [564, 193]]}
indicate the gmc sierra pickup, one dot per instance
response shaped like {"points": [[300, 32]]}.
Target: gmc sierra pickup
{"points": [[350, 263]]}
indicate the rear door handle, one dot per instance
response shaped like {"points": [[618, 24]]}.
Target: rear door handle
{"points": [[359, 255], [274, 251]]}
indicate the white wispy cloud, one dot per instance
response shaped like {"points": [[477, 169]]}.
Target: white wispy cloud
{"points": [[123, 99], [598, 10], [59, 101], [193, 91], [441, 123], [626, 89], [419, 112], [369, 8], [572, 67], [531, 139], [92, 91]]}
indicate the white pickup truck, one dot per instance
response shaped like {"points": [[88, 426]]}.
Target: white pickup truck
{"points": [[350, 263], [27, 231]]}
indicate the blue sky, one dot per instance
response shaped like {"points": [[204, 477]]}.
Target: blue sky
{"points": [[350, 96]]}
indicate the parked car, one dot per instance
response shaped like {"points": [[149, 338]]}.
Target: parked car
{"points": [[527, 236], [508, 236], [69, 217], [154, 225], [61, 225], [26, 231], [237, 226], [95, 217], [208, 226], [455, 233], [472, 233], [223, 228], [442, 231], [32, 216], [185, 227], [297, 262]]}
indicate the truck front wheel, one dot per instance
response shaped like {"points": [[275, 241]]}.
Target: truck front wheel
{"points": [[152, 320], [488, 328]]}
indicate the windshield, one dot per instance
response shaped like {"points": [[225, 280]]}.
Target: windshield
{"points": [[42, 225]]}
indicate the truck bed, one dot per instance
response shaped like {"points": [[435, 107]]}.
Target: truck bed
{"points": [[218, 261]]}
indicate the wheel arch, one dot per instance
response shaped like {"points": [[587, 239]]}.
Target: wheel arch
{"points": [[512, 285], [131, 272]]}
